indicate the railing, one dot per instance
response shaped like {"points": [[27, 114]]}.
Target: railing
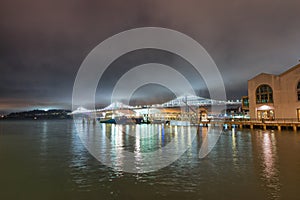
{"points": [[255, 120]]}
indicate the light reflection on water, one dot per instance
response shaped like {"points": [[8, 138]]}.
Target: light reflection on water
{"points": [[124, 152], [234, 149], [50, 158], [269, 163]]}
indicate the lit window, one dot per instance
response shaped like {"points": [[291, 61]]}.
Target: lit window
{"points": [[264, 94], [298, 91], [245, 102]]}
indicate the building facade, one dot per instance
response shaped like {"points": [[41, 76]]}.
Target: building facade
{"points": [[275, 96], [245, 106]]}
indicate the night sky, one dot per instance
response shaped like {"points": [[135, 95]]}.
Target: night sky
{"points": [[43, 43]]}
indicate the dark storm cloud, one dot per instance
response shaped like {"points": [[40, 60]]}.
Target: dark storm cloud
{"points": [[244, 37], [152, 93], [42, 43]]}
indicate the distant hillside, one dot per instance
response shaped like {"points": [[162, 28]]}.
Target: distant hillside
{"points": [[40, 114]]}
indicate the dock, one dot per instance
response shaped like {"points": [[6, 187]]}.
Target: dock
{"points": [[277, 124]]}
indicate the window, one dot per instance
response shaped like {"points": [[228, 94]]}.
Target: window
{"points": [[264, 94], [298, 91], [245, 102]]}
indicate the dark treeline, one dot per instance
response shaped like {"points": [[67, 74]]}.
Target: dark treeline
{"points": [[40, 114]]}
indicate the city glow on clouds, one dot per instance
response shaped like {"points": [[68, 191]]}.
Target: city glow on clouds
{"points": [[43, 43]]}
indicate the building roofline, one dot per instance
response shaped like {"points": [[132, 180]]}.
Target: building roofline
{"points": [[263, 73], [280, 75], [290, 70]]}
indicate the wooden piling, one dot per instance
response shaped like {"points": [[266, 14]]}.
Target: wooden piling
{"points": [[294, 127], [279, 127], [265, 127]]}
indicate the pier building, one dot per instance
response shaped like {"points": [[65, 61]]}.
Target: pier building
{"points": [[275, 96]]}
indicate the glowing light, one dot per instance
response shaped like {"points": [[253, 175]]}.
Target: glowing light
{"points": [[264, 107]]}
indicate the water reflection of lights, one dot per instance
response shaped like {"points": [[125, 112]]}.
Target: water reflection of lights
{"points": [[234, 148], [79, 160], [44, 139], [151, 137], [162, 137], [117, 144], [268, 157], [135, 148], [209, 140], [270, 173], [103, 132]]}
